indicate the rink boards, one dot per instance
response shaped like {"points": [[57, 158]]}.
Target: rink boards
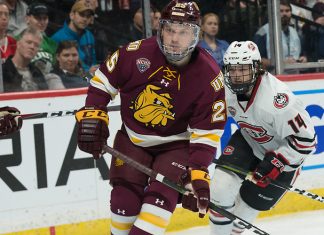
{"points": [[48, 186]]}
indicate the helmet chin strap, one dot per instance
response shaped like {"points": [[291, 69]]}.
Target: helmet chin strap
{"points": [[249, 92]]}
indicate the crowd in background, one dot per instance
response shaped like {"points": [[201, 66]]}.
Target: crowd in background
{"points": [[44, 47]]}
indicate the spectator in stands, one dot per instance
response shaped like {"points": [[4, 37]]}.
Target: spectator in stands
{"points": [[67, 72], [37, 17], [80, 18], [209, 40], [17, 23], [94, 4], [290, 39], [7, 43], [136, 30], [241, 19], [19, 74], [156, 21], [314, 34], [318, 13]]}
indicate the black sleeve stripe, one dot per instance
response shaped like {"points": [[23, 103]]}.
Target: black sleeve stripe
{"points": [[299, 150], [304, 139]]}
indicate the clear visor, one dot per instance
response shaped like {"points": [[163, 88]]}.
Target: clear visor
{"points": [[177, 40]]}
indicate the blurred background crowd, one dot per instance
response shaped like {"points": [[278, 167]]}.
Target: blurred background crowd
{"points": [[59, 44]]}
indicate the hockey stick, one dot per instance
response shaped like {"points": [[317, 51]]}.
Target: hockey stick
{"points": [[62, 113], [276, 183], [161, 178]]}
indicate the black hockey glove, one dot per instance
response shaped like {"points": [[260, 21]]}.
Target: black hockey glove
{"points": [[92, 129], [10, 120], [269, 169], [197, 181]]}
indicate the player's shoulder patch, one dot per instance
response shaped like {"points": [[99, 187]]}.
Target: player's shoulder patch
{"points": [[143, 64], [281, 100]]}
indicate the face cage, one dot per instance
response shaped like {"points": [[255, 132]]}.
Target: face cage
{"points": [[173, 56], [244, 87]]}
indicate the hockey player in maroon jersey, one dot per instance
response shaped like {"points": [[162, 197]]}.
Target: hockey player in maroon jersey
{"points": [[10, 120], [173, 113], [275, 136]]}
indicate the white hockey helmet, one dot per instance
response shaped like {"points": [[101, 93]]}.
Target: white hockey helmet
{"points": [[242, 53]]}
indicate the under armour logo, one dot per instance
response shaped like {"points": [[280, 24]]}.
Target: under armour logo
{"points": [[157, 201], [123, 212], [165, 83]]}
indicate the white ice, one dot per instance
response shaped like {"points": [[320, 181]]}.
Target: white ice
{"points": [[305, 223]]}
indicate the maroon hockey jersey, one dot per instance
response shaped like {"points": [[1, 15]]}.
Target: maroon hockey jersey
{"points": [[161, 103]]}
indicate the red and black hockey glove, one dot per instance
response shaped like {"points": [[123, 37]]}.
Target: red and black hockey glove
{"points": [[92, 129], [10, 120], [197, 181], [269, 169]]}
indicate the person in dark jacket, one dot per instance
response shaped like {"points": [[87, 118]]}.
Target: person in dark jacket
{"points": [[67, 72], [313, 42], [18, 72]]}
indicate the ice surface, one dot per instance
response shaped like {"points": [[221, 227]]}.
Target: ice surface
{"points": [[305, 223]]}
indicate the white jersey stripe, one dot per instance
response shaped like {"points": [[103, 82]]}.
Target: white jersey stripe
{"points": [[211, 138], [122, 218], [103, 83], [156, 210], [151, 140]]}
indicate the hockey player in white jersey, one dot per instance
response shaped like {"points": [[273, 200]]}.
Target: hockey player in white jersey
{"points": [[275, 136]]}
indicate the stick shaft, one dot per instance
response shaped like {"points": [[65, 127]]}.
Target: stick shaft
{"points": [[161, 178], [61, 113]]}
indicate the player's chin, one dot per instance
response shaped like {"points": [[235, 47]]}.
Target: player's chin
{"points": [[175, 51]]}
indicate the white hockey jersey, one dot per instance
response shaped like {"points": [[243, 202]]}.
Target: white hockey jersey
{"points": [[274, 119]]}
